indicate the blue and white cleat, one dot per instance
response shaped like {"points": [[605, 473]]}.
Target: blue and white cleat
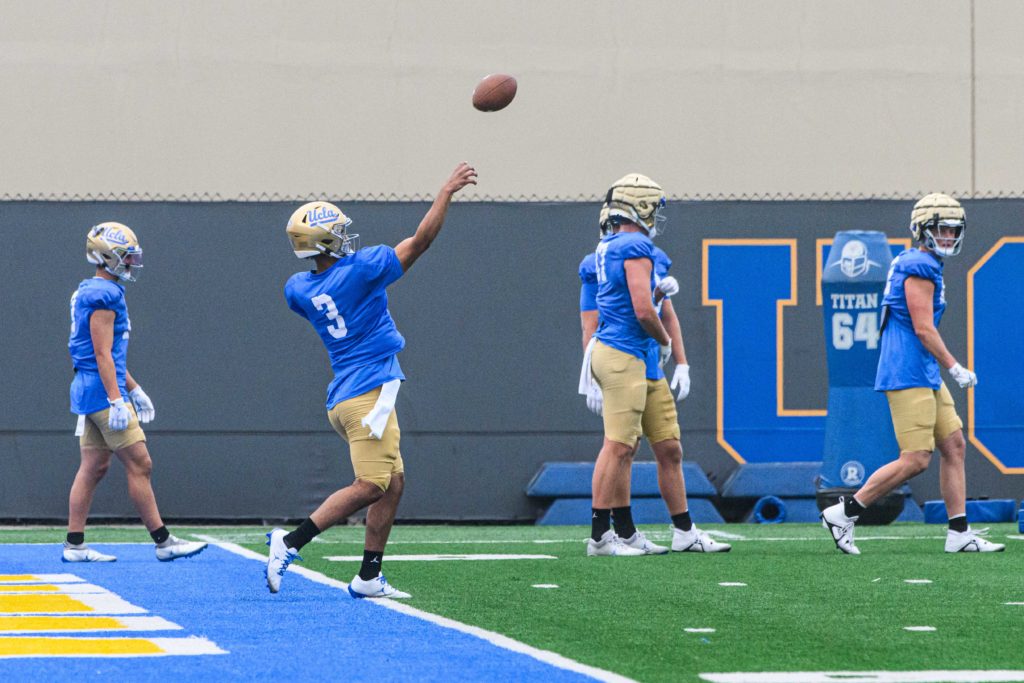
{"points": [[374, 588], [83, 553], [174, 548], [279, 558]]}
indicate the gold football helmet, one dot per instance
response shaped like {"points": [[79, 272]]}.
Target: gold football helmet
{"points": [[604, 220], [637, 199], [932, 212], [114, 247], [321, 228]]}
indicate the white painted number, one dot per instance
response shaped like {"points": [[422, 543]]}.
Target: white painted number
{"points": [[845, 331], [602, 250], [325, 303], [74, 327]]}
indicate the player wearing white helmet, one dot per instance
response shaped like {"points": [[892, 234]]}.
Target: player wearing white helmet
{"points": [[923, 413], [345, 299], [107, 399], [625, 286]]}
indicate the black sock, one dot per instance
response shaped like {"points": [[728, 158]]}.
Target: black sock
{"points": [[623, 518], [851, 507], [371, 564], [600, 522], [160, 535], [682, 521], [958, 523], [302, 535], [76, 537]]}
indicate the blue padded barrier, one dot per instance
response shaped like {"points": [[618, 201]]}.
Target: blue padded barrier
{"points": [[1020, 520], [978, 511], [796, 510], [645, 511], [572, 479], [782, 479]]}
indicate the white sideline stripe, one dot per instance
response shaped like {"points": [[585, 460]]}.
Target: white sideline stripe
{"points": [[127, 624], [926, 629], [699, 630], [62, 589], [917, 580], [438, 558], [1016, 537], [1013, 603], [994, 676], [100, 604], [545, 585], [192, 645], [731, 583], [497, 639], [40, 578], [724, 534]]}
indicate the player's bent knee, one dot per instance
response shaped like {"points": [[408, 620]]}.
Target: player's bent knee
{"points": [[380, 482], [917, 460]]}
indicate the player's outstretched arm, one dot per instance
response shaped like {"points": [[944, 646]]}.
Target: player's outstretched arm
{"points": [[410, 249]]}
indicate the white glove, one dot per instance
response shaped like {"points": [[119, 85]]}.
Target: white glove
{"points": [[664, 353], [964, 377], [681, 381], [119, 415], [668, 286], [595, 400], [143, 406]]}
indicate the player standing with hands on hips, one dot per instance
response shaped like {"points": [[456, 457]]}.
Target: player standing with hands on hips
{"points": [[106, 397], [922, 409], [630, 341], [345, 300]]}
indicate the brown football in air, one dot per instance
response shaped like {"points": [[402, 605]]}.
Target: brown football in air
{"points": [[494, 92]]}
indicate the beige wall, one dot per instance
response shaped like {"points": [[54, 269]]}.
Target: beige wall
{"points": [[371, 99]]}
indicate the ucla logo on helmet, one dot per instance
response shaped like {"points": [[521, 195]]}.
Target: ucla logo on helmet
{"points": [[852, 473], [116, 236], [322, 215]]}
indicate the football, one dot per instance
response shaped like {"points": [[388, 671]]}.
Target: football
{"points": [[494, 92]]}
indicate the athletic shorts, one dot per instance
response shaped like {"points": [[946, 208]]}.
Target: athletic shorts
{"points": [[97, 434], [373, 460], [922, 416], [634, 406]]}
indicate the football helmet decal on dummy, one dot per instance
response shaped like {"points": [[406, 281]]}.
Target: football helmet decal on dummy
{"points": [[637, 199], [321, 228], [114, 247], [936, 211]]}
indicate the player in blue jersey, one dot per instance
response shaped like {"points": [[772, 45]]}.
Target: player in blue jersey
{"points": [[345, 300], [921, 406], [629, 330], [107, 399]]}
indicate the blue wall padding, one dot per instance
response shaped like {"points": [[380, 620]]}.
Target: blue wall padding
{"points": [[645, 511], [769, 510], [798, 510], [999, 510], [570, 479], [783, 479], [912, 512]]}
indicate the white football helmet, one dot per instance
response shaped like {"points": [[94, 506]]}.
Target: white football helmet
{"points": [[114, 247], [935, 211], [321, 228], [637, 199]]}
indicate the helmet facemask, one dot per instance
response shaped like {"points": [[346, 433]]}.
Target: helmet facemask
{"points": [[931, 215], [931, 233], [114, 248]]}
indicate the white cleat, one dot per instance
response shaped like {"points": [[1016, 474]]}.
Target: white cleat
{"points": [[696, 541], [840, 526], [374, 588], [640, 542], [83, 553], [279, 558], [612, 546], [174, 548], [970, 542]]}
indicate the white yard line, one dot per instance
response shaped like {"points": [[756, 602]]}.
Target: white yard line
{"points": [[439, 558], [994, 676], [497, 639]]}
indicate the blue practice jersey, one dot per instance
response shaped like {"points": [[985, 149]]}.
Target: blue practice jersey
{"points": [[619, 327], [95, 294], [904, 363], [348, 307]]}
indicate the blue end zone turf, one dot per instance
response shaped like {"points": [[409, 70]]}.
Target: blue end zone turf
{"points": [[308, 631], [572, 479], [645, 511], [783, 479], [978, 511]]}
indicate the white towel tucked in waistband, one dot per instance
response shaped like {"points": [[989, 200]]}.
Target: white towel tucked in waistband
{"points": [[377, 419], [587, 381], [80, 427]]}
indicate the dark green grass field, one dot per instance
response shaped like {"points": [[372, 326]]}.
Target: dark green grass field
{"points": [[804, 606]]}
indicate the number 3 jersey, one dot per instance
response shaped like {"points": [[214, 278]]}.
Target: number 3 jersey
{"points": [[348, 307], [904, 363], [95, 294]]}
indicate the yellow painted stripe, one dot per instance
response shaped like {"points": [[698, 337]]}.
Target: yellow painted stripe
{"points": [[58, 623], [29, 645], [17, 577], [41, 603], [37, 587]]}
